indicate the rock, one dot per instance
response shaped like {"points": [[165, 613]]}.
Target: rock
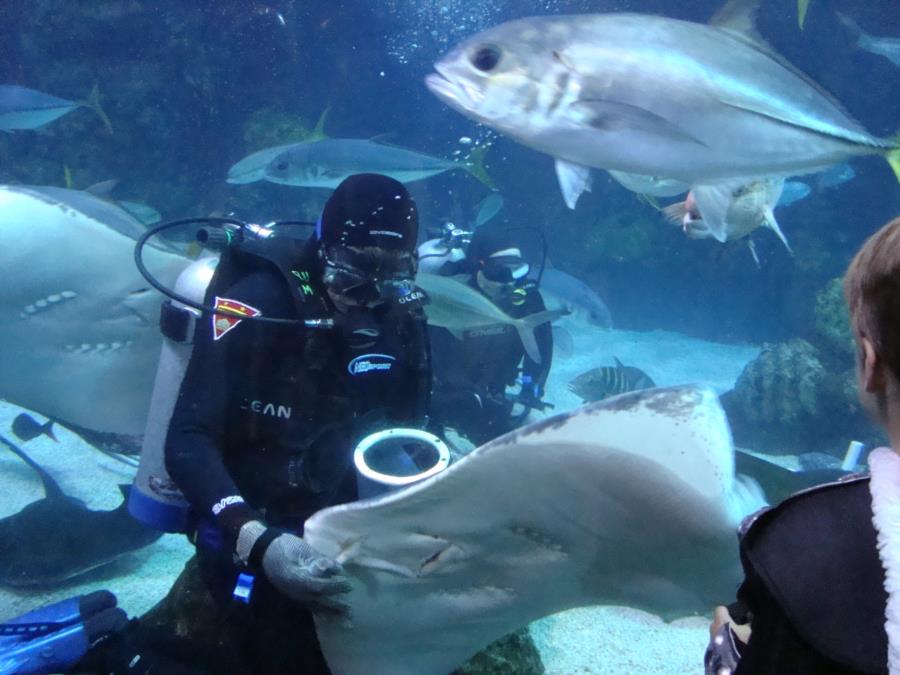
{"points": [[832, 322], [514, 654]]}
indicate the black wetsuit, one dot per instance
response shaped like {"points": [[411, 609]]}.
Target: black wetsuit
{"points": [[814, 586], [472, 372], [264, 427]]}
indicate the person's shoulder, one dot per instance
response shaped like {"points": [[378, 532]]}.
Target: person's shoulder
{"points": [[262, 290]]}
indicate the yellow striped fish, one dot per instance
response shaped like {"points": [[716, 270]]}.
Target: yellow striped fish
{"points": [[605, 381]]}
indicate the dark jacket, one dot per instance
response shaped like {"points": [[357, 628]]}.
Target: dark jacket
{"points": [[268, 414], [815, 585]]}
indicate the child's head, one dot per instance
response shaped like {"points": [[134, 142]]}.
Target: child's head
{"points": [[872, 288]]}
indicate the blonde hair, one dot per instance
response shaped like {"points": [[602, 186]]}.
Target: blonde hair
{"points": [[872, 289]]}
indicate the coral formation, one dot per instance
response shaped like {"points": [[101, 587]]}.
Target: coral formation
{"points": [[832, 321]]}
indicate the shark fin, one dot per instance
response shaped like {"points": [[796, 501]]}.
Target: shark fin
{"points": [[574, 180]]}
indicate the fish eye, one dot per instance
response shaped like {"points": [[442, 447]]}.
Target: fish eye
{"points": [[486, 58]]}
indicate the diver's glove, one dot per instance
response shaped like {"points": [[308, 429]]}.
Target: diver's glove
{"points": [[294, 567], [530, 397]]}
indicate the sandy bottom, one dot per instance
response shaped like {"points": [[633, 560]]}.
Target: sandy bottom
{"points": [[588, 640]]}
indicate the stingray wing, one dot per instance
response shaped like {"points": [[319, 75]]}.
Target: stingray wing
{"points": [[630, 501]]}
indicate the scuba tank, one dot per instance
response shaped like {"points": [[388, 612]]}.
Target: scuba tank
{"points": [[155, 500]]}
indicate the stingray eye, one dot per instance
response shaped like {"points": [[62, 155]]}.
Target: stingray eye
{"points": [[486, 58], [281, 166]]}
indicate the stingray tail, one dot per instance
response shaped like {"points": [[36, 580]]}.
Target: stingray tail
{"points": [[526, 328], [51, 487], [93, 102]]}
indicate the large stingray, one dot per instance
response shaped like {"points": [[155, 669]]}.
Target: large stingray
{"points": [[57, 538], [78, 324], [629, 501]]}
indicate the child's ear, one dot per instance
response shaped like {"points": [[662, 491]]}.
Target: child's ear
{"points": [[871, 368]]}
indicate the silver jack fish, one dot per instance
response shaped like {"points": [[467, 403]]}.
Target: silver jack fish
{"points": [[651, 95], [327, 162]]}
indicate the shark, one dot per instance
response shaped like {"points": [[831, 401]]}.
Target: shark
{"points": [[78, 323], [57, 538], [630, 501]]}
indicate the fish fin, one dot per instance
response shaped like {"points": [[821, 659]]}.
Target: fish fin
{"points": [[51, 487], [649, 200], [752, 246], [574, 180], [802, 7], [739, 16], [48, 430], [93, 102], [67, 176], [525, 326], [563, 343], [773, 225], [675, 213], [606, 115], [474, 164], [713, 202], [103, 188], [893, 158], [619, 364], [318, 132], [851, 25]]}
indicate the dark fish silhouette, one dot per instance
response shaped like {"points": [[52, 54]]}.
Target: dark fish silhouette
{"points": [[600, 383], [57, 538], [26, 428]]}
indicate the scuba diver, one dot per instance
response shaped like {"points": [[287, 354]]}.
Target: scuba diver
{"points": [[262, 430], [473, 371]]}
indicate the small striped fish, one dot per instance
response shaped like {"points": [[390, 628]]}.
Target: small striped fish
{"points": [[600, 383]]}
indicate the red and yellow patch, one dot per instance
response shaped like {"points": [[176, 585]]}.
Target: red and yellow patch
{"points": [[222, 323]]}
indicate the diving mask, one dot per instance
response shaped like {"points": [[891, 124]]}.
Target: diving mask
{"points": [[370, 275], [505, 269]]}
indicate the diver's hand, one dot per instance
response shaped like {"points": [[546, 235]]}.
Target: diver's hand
{"points": [[721, 616], [296, 569]]}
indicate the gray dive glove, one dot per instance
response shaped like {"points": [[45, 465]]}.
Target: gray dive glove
{"points": [[295, 568]]}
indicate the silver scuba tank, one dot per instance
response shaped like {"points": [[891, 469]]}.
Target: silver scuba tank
{"points": [[154, 499]]}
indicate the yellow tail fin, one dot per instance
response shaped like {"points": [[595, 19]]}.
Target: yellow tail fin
{"points": [[318, 133], [802, 6], [474, 164], [93, 102], [893, 158]]}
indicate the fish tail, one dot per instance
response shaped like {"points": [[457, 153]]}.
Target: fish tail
{"points": [[893, 157], [526, 326], [474, 164], [318, 131], [802, 7], [675, 213], [93, 102]]}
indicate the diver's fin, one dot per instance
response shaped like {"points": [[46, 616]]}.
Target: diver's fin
{"points": [[93, 102], [474, 164], [526, 325], [574, 180]]}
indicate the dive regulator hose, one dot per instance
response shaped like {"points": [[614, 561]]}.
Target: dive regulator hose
{"points": [[209, 234]]}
